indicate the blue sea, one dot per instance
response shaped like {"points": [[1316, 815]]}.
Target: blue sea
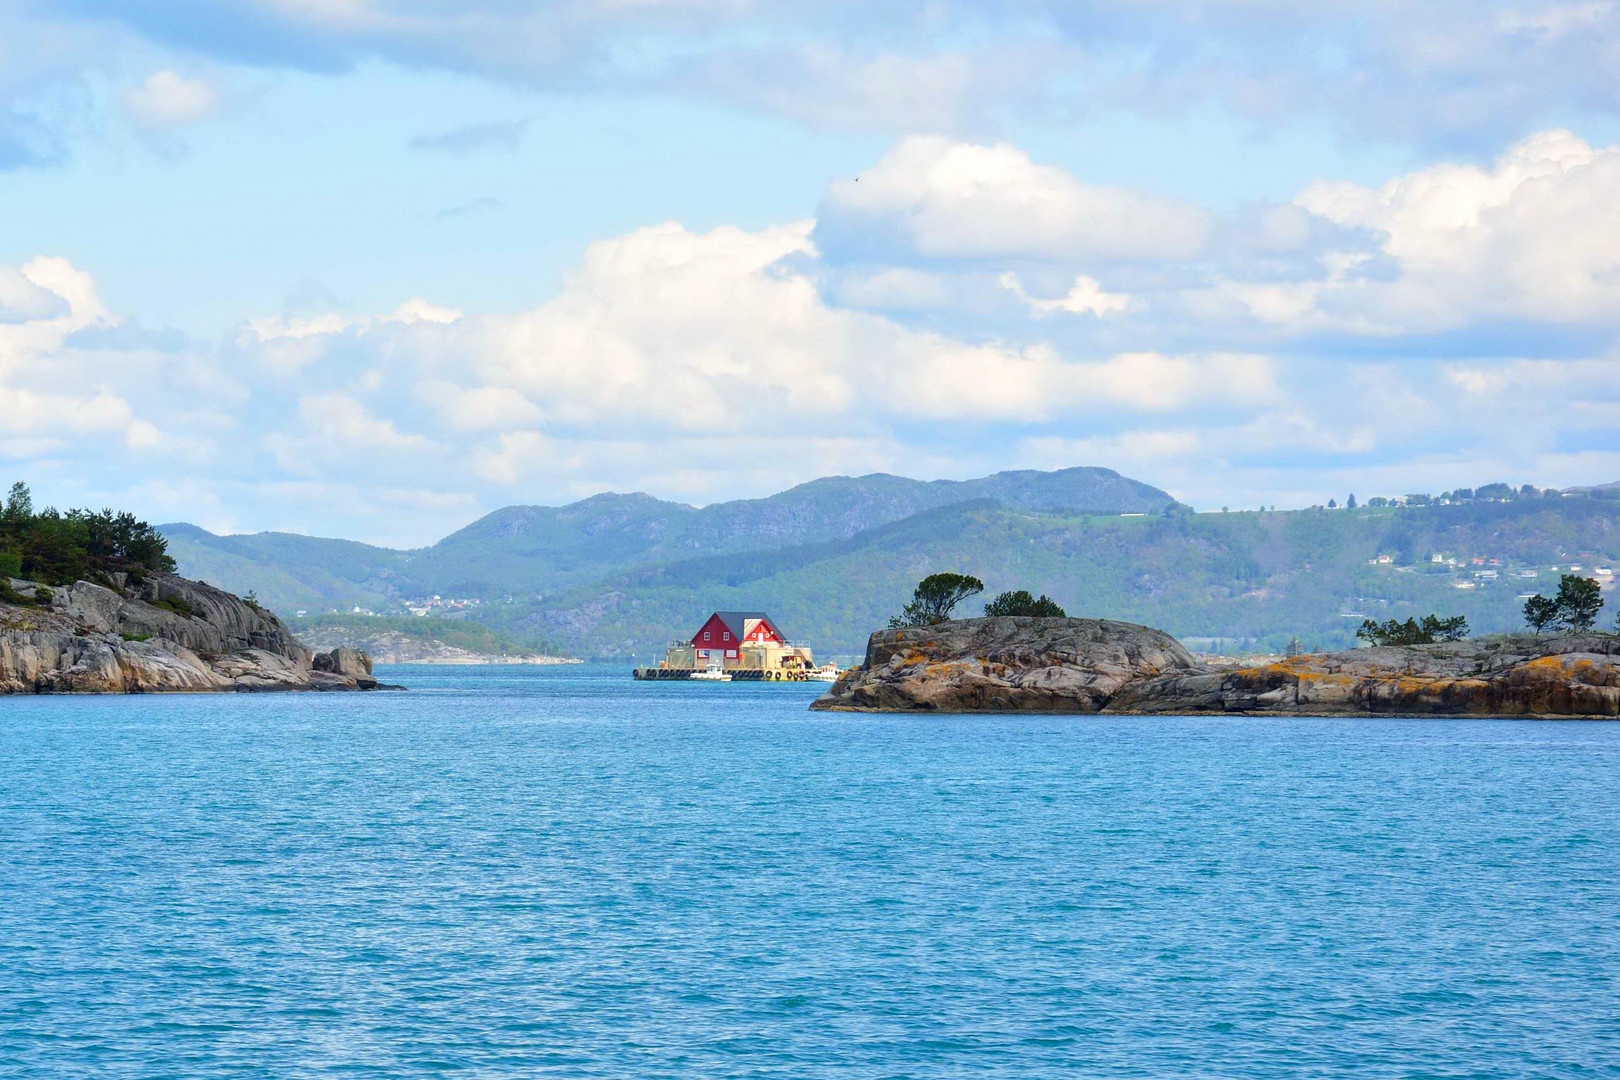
{"points": [[519, 872]]}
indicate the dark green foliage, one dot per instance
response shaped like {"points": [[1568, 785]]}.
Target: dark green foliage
{"points": [[19, 503], [1020, 602], [1412, 632], [1579, 602], [134, 637], [1575, 608], [78, 545], [1540, 612], [40, 597], [934, 597]]}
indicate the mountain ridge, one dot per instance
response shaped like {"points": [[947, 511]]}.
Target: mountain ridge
{"points": [[537, 550]]}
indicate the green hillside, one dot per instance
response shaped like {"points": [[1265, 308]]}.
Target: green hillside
{"points": [[522, 551], [619, 575], [1221, 581]]}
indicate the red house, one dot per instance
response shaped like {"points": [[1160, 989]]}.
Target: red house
{"points": [[726, 632]]}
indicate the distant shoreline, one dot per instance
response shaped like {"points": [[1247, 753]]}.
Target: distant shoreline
{"points": [[485, 661]]}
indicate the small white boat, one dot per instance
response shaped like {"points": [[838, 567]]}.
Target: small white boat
{"points": [[824, 673], [712, 673]]}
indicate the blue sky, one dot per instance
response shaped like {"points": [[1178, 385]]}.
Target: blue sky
{"points": [[373, 267]]}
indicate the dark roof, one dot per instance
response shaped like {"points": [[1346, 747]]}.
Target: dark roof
{"points": [[734, 621]]}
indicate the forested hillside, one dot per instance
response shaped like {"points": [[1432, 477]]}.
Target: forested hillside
{"points": [[520, 551], [617, 584]]}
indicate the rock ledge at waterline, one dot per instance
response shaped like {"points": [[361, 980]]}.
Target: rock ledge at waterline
{"points": [[136, 637], [1008, 665]]}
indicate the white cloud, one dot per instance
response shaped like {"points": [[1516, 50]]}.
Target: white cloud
{"points": [[1534, 236], [946, 199], [1085, 297], [483, 408], [168, 101], [714, 364]]}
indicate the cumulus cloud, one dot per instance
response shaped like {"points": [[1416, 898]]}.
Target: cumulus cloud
{"points": [[168, 101], [731, 361], [1536, 235], [48, 392], [946, 199]]}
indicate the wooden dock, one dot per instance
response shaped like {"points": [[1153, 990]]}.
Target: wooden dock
{"points": [[659, 674]]}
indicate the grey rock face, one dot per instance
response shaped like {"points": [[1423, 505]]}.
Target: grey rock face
{"points": [[1012, 664], [346, 664], [163, 634], [1082, 665]]}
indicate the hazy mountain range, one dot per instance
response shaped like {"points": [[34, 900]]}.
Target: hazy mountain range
{"points": [[618, 575]]}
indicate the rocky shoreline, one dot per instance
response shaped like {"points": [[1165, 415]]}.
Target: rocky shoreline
{"points": [[157, 634], [1100, 666]]}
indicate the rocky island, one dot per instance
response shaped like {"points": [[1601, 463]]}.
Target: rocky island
{"points": [[156, 632], [1026, 664]]}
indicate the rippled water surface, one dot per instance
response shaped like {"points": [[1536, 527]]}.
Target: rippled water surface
{"points": [[528, 872]]}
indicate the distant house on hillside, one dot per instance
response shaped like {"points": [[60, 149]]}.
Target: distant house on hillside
{"points": [[731, 640]]}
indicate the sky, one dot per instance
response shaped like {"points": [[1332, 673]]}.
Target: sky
{"points": [[372, 268]]}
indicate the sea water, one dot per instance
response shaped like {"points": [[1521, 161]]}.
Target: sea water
{"points": [[512, 872]]}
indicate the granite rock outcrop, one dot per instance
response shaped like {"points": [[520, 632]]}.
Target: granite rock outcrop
{"points": [[1007, 664], [157, 633], [1093, 666]]}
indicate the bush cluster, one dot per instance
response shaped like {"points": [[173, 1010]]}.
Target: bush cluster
{"points": [[1412, 632], [1019, 602]]}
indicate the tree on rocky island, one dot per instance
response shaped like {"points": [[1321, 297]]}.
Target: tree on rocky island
{"points": [[1579, 601], [1540, 612], [1019, 602], [1412, 632], [1575, 608], [934, 597]]}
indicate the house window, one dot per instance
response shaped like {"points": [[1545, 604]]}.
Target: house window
{"points": [[726, 636], [731, 654], [705, 635]]}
